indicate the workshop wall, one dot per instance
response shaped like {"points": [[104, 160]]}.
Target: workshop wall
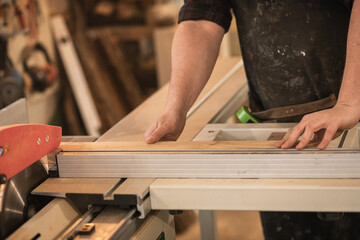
{"points": [[23, 24], [123, 46]]}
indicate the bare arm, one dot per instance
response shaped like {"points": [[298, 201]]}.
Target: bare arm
{"points": [[194, 52], [346, 113]]}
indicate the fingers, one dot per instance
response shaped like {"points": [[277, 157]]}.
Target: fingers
{"points": [[327, 124], [155, 133], [328, 136], [149, 131], [307, 128], [306, 138], [291, 139]]}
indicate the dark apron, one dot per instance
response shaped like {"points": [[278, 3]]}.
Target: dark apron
{"points": [[294, 53]]}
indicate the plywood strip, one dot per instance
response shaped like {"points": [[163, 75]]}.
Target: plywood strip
{"points": [[168, 146], [205, 145]]}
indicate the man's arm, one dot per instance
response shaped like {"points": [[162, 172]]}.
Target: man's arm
{"points": [[194, 52], [329, 124]]}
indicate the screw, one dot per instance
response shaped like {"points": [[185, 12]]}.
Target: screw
{"points": [[47, 138], [1, 151], [38, 141], [3, 179]]}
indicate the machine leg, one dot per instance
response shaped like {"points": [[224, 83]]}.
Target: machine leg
{"points": [[208, 228]]}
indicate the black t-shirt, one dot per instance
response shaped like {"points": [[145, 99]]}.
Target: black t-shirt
{"points": [[293, 51]]}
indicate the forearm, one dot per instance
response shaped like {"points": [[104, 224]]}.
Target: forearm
{"points": [[350, 88], [194, 52]]}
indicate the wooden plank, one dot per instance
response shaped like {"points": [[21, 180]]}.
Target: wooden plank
{"points": [[107, 99], [108, 102], [167, 146], [257, 194], [132, 90]]}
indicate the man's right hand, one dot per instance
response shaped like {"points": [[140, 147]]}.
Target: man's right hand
{"points": [[168, 127]]}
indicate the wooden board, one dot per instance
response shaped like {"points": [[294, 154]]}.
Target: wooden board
{"points": [[166, 146], [109, 103], [120, 65], [169, 146]]}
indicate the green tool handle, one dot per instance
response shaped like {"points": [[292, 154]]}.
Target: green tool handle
{"points": [[244, 115]]}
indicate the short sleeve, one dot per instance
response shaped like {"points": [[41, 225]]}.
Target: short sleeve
{"points": [[217, 11]]}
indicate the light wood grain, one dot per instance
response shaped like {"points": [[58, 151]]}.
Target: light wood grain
{"points": [[168, 146]]}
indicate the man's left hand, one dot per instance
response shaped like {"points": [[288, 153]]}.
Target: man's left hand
{"points": [[323, 125]]}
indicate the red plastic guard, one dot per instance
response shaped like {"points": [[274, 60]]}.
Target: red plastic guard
{"points": [[22, 145]]}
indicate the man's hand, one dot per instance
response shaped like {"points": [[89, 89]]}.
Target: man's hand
{"points": [[323, 125], [167, 127], [194, 52]]}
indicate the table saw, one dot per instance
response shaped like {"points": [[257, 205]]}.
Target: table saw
{"points": [[119, 188]]}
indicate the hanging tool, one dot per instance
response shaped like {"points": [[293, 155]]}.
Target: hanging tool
{"points": [[41, 76]]}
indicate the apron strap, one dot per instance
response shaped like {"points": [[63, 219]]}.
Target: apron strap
{"points": [[295, 110]]}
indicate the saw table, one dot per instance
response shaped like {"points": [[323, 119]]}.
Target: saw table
{"points": [[116, 170]]}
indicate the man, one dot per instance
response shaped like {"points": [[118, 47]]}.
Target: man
{"points": [[294, 52]]}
